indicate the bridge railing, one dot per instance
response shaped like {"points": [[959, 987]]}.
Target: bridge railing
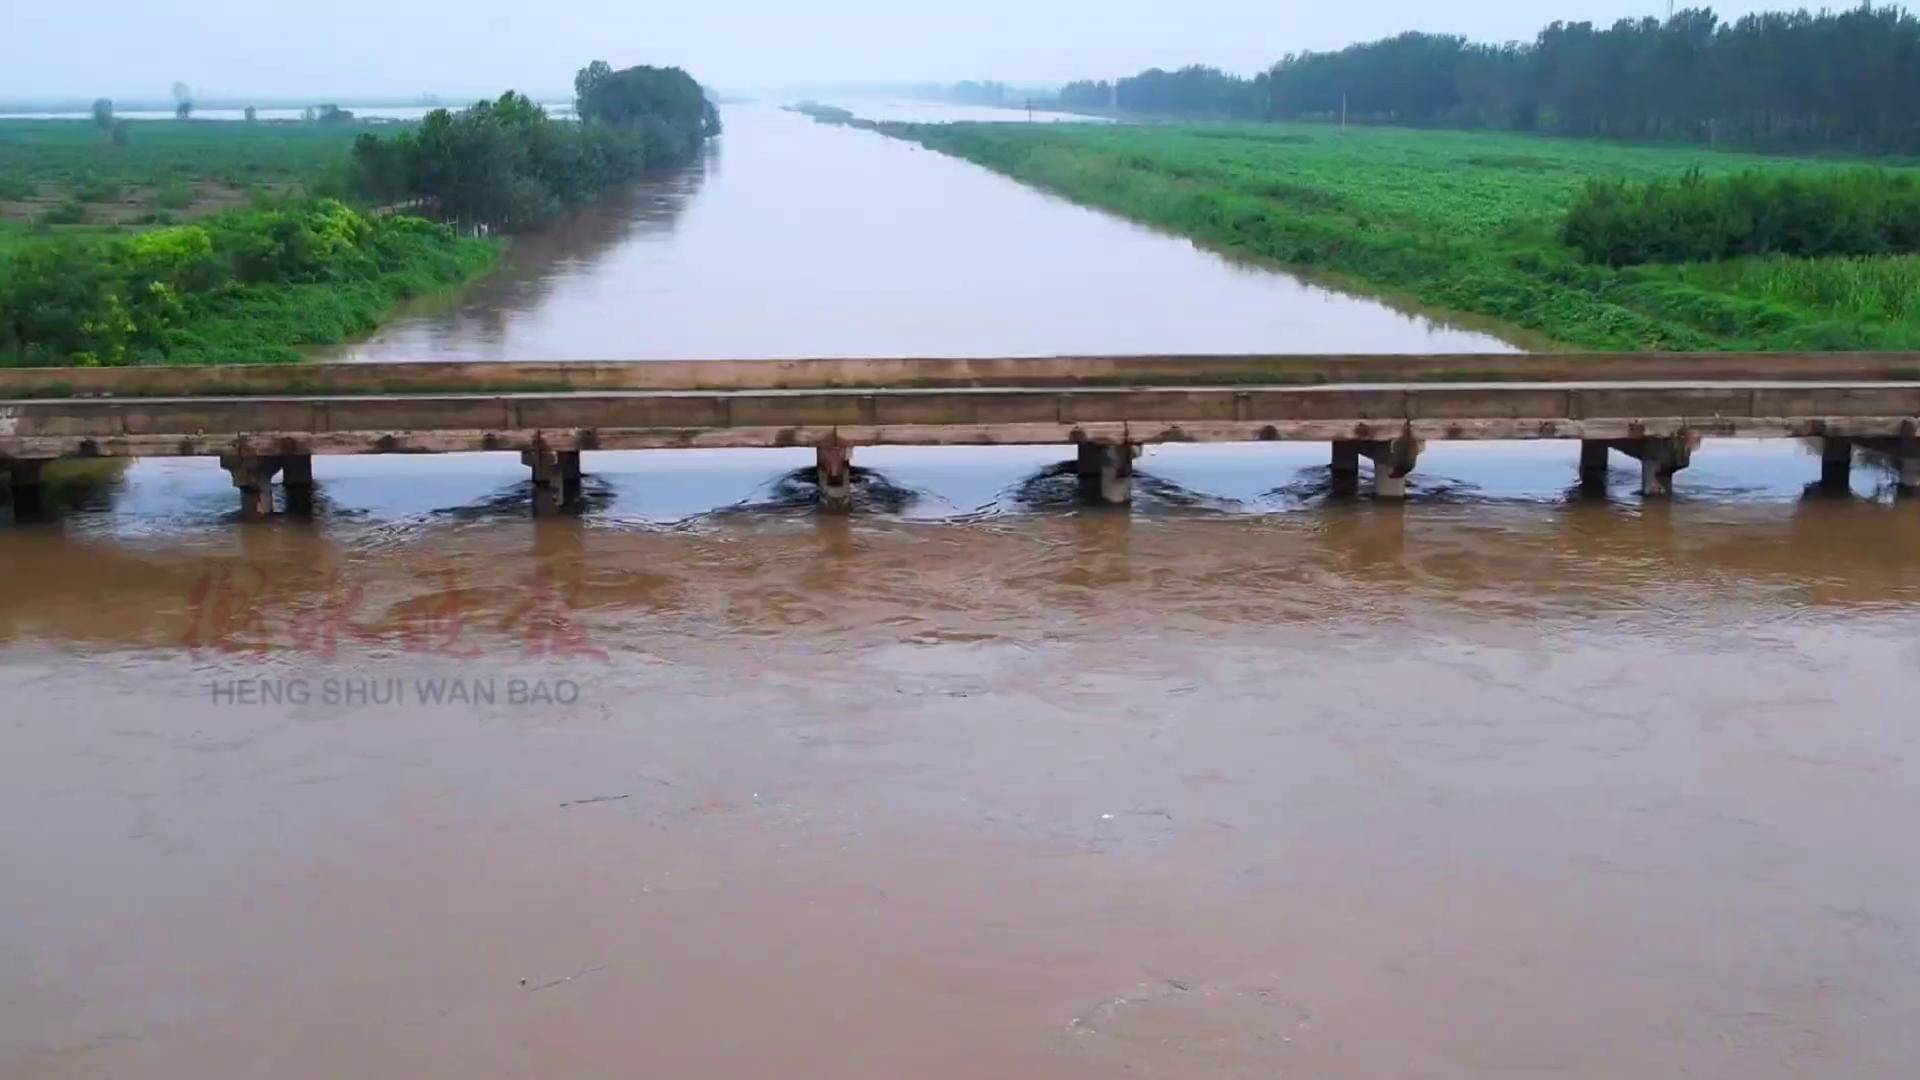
{"points": [[948, 372]]}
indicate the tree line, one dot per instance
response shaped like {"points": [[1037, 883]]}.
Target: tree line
{"points": [[506, 163], [1195, 90], [1847, 80]]}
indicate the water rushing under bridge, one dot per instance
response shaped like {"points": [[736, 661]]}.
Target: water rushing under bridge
{"points": [[267, 422]]}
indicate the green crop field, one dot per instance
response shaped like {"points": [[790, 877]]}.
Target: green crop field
{"points": [[1461, 222], [71, 174]]}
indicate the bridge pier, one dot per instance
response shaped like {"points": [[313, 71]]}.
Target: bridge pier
{"points": [[1836, 463], [1593, 464], [1660, 457], [23, 480], [1344, 473], [253, 476], [1106, 472], [296, 474], [556, 479], [833, 463], [1393, 460]]}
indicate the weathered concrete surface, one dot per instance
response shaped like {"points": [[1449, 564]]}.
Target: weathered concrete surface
{"points": [[1660, 458], [24, 489], [833, 465], [1393, 461], [812, 374], [557, 480], [1593, 463], [641, 420], [1836, 463], [1106, 472], [253, 474], [1658, 422]]}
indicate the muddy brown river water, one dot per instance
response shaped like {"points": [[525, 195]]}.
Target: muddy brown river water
{"points": [[1239, 781]]}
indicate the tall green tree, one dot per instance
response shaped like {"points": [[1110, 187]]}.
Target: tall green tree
{"points": [[1780, 80]]}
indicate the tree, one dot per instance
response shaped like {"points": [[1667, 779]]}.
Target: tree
{"points": [[182, 101], [252, 114], [1195, 90], [666, 101], [1087, 94], [589, 79], [103, 113], [506, 163], [1847, 80]]}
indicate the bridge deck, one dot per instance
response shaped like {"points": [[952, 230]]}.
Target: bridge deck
{"points": [[1656, 408]]}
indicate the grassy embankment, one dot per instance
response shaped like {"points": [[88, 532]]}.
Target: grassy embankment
{"points": [[1458, 222], [199, 242]]}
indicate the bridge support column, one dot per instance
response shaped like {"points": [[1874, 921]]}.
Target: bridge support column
{"points": [[1660, 458], [253, 475], [1393, 460], [1344, 473], [834, 466], [1106, 472], [1593, 464], [23, 479], [572, 481], [1836, 463], [296, 473], [556, 479]]}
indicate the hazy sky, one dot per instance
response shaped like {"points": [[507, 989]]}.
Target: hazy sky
{"points": [[353, 48]]}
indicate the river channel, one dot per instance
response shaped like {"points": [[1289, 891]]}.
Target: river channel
{"points": [[978, 780]]}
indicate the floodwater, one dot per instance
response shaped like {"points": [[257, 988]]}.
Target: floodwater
{"points": [[795, 238], [1242, 781]]}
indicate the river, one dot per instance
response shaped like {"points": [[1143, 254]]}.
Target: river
{"points": [[977, 781]]}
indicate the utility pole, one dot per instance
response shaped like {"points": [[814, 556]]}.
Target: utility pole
{"points": [[1343, 110]]}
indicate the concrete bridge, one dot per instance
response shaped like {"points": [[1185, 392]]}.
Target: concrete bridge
{"points": [[264, 422]]}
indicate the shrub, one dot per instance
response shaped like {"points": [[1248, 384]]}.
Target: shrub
{"points": [[173, 195], [239, 285], [71, 212], [99, 190], [1853, 212]]}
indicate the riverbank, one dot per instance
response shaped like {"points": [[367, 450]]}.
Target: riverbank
{"points": [[1456, 222], [242, 287], [165, 242]]}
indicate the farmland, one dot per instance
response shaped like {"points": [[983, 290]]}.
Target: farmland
{"points": [[198, 242], [67, 174], [1466, 223]]}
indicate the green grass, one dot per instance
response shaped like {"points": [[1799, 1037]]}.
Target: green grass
{"points": [[244, 287], [1460, 222], [75, 287]]}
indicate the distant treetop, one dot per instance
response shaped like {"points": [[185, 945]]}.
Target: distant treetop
{"points": [[645, 95]]}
